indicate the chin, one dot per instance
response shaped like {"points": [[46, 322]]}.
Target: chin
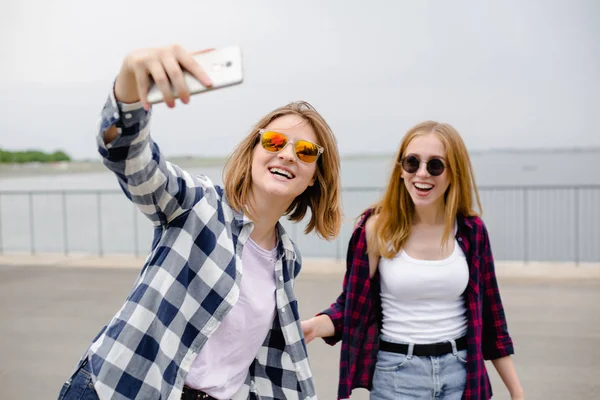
{"points": [[279, 192], [424, 201]]}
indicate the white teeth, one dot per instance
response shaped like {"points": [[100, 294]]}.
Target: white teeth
{"points": [[281, 172], [424, 186]]}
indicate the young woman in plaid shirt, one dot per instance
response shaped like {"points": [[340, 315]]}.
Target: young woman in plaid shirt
{"points": [[213, 313], [420, 309]]}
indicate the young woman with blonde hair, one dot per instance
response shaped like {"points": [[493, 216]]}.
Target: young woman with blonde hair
{"points": [[420, 309], [213, 314]]}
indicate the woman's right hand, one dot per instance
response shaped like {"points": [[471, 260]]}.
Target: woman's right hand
{"points": [[320, 326], [164, 66]]}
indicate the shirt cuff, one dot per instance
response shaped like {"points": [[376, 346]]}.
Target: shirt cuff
{"points": [[338, 326], [124, 116]]}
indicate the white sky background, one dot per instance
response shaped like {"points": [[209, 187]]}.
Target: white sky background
{"points": [[520, 74]]}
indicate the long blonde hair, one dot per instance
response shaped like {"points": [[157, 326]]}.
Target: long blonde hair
{"points": [[395, 211], [323, 197]]}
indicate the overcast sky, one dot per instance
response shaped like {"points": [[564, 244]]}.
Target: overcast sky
{"points": [[521, 74]]}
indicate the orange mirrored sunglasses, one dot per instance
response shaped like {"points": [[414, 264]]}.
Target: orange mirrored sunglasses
{"points": [[274, 142]]}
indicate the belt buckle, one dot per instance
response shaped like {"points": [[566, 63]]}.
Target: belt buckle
{"points": [[202, 395]]}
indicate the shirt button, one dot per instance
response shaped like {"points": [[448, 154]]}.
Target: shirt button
{"points": [[460, 239], [128, 116], [282, 310], [281, 278]]}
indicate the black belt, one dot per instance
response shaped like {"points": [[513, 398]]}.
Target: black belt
{"points": [[424, 350], [194, 394]]}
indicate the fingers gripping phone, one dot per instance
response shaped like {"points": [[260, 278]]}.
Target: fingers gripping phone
{"points": [[223, 66]]}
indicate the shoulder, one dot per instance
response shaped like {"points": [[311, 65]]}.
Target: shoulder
{"points": [[475, 231], [370, 225], [364, 220], [471, 225]]}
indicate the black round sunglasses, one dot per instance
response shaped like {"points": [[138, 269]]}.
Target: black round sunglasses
{"points": [[435, 166]]}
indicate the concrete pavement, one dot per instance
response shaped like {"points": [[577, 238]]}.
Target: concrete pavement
{"points": [[52, 308]]}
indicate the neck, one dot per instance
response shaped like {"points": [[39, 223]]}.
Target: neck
{"points": [[267, 213], [433, 214]]}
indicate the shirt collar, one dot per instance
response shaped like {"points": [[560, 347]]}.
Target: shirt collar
{"points": [[285, 244]]}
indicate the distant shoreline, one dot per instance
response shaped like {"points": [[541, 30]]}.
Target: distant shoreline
{"points": [[91, 166], [76, 167]]}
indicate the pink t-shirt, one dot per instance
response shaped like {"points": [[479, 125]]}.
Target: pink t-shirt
{"points": [[222, 365]]}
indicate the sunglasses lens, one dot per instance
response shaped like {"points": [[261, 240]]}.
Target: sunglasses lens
{"points": [[273, 141], [307, 151], [435, 167], [410, 164]]}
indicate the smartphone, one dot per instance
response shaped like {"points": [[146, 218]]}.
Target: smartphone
{"points": [[222, 65]]}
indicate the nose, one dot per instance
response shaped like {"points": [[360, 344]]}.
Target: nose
{"points": [[422, 171], [287, 153]]}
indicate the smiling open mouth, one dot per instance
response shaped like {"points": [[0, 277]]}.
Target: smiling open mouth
{"points": [[281, 172], [423, 187]]}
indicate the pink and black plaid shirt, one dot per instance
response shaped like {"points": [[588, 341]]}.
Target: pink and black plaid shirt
{"points": [[356, 314]]}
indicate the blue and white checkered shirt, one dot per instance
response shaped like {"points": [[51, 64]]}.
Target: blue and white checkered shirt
{"points": [[189, 281]]}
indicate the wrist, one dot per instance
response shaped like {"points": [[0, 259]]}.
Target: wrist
{"points": [[324, 326], [126, 86], [316, 321]]}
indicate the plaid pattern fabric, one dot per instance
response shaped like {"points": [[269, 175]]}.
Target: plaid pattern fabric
{"points": [[189, 282], [356, 314]]}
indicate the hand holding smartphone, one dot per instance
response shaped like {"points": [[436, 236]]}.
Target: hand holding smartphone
{"points": [[162, 74], [223, 67]]}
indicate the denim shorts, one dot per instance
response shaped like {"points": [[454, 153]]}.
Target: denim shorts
{"points": [[79, 386], [405, 376]]}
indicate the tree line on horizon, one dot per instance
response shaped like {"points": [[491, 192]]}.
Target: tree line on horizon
{"points": [[29, 156]]}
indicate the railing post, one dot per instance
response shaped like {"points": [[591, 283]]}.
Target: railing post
{"points": [[576, 227], [99, 205], [31, 225], [65, 232], [525, 227]]}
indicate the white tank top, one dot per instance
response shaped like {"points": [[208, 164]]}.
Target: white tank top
{"points": [[422, 300]]}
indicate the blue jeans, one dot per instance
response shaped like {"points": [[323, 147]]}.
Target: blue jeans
{"points": [[405, 376], [79, 386]]}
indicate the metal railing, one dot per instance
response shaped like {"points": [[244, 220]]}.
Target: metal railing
{"points": [[543, 223]]}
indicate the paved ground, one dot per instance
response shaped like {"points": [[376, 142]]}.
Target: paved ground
{"points": [[49, 314]]}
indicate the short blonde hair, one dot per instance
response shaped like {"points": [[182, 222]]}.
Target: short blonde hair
{"points": [[395, 210], [323, 197]]}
